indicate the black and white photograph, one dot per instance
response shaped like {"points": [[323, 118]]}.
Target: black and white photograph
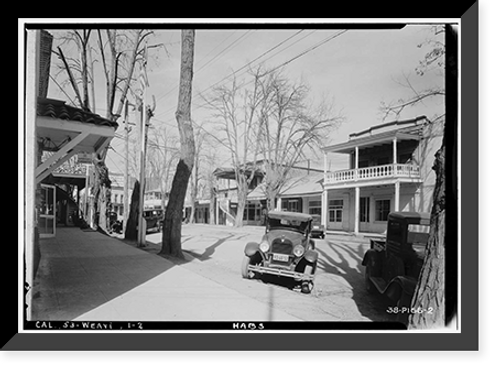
{"points": [[241, 177]]}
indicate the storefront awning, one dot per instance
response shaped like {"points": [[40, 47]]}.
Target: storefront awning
{"points": [[66, 131]]}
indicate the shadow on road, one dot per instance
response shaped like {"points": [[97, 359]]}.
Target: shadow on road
{"points": [[210, 250], [344, 260]]}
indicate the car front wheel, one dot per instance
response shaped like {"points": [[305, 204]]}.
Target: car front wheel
{"points": [[245, 272], [307, 285]]}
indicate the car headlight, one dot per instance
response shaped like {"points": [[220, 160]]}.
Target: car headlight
{"points": [[298, 250], [264, 246]]}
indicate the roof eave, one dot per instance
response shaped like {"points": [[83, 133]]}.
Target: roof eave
{"points": [[349, 146]]}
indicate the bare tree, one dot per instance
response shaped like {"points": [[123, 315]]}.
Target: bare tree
{"points": [[291, 130], [195, 174], [77, 68], [162, 154], [119, 51], [432, 62], [235, 114], [171, 234]]}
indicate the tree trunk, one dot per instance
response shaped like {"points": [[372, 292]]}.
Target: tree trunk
{"points": [[171, 234], [429, 297], [271, 205], [271, 194], [131, 227], [242, 201]]}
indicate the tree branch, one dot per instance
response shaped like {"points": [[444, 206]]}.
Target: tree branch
{"points": [[71, 77]]}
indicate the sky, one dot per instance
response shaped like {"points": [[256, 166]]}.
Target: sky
{"points": [[355, 69]]}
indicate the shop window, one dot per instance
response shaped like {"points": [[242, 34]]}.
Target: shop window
{"points": [[315, 207], [291, 205], [252, 212]]}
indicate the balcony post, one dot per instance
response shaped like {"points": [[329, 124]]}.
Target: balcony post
{"points": [[396, 196], [356, 162], [395, 150]]}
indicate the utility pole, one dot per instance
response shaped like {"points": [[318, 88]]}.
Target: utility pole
{"points": [[141, 233], [141, 238], [125, 186]]}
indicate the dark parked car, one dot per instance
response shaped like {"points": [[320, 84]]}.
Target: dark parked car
{"points": [[115, 225], [286, 250], [393, 265], [154, 219], [318, 230]]}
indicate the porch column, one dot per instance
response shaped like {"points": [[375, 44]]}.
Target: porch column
{"points": [[356, 162], [278, 204], [324, 207], [356, 211], [394, 151], [217, 206], [396, 196]]}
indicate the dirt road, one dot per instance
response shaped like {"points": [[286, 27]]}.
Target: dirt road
{"points": [[216, 252]]}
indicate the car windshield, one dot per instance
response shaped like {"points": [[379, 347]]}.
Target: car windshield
{"points": [[316, 219], [288, 224]]}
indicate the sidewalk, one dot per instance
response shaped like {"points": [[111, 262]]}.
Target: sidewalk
{"points": [[91, 276]]}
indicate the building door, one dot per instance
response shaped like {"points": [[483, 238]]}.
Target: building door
{"points": [[364, 213], [335, 214], [47, 211]]}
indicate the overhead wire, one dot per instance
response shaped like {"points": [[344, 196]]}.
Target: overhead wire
{"points": [[304, 52], [211, 60], [244, 66]]}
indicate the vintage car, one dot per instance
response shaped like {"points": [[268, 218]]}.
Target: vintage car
{"points": [[115, 225], [154, 219], [286, 250], [318, 230], [393, 265]]}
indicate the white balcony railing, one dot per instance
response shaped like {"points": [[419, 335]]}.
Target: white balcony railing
{"points": [[373, 173]]}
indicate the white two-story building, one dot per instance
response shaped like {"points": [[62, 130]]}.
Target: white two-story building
{"points": [[390, 169]]}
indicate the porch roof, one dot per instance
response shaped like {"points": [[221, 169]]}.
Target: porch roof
{"points": [[304, 186], [297, 186], [66, 131], [372, 140]]}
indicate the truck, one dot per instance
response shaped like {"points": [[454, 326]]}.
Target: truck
{"points": [[393, 265]]}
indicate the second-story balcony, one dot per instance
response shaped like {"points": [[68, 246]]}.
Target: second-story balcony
{"points": [[386, 172]]}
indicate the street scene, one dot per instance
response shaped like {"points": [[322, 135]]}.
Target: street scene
{"points": [[207, 286], [236, 175]]}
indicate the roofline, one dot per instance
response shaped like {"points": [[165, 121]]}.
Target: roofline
{"points": [[353, 142], [395, 122], [347, 147]]}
